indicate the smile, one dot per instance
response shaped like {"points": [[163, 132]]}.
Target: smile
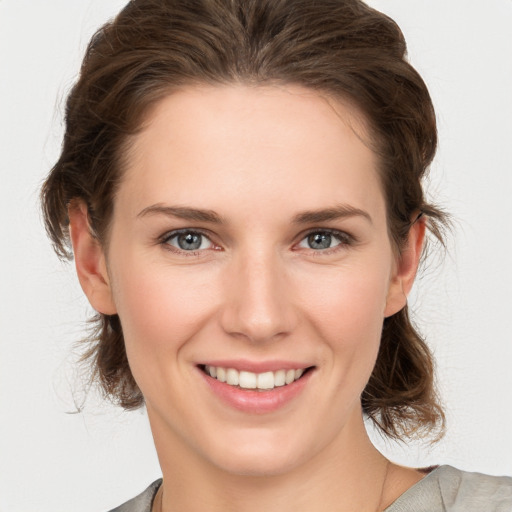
{"points": [[249, 380]]}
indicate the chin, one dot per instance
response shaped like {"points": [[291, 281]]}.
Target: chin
{"points": [[262, 465], [258, 457]]}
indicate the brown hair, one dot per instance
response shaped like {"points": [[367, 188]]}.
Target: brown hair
{"points": [[340, 47]]}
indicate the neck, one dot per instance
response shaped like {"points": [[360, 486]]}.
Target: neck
{"points": [[347, 475]]}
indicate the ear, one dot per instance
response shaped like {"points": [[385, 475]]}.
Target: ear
{"points": [[405, 269], [90, 260]]}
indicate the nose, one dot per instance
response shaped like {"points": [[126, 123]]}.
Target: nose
{"points": [[258, 303]]}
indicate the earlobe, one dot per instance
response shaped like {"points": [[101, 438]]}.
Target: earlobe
{"points": [[406, 268], [90, 260]]}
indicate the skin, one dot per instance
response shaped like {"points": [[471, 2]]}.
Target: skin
{"points": [[255, 290]]}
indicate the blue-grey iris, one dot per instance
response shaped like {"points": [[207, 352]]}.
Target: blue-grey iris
{"points": [[189, 241], [319, 240]]}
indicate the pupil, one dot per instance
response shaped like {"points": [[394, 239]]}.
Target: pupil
{"points": [[319, 241], [189, 241]]}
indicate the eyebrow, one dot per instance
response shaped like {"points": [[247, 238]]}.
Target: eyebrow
{"points": [[182, 212], [306, 217], [327, 214]]}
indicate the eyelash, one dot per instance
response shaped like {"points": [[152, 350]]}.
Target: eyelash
{"points": [[345, 240]]}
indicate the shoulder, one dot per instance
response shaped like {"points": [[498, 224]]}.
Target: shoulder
{"points": [[476, 489], [142, 502], [447, 489]]}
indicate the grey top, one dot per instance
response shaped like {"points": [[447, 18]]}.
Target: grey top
{"points": [[445, 489]]}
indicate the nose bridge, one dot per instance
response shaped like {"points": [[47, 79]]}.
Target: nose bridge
{"points": [[258, 304]]}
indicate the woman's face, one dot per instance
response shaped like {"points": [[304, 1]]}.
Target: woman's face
{"points": [[249, 235]]}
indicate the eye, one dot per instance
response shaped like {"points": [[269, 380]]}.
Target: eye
{"points": [[325, 239], [187, 240]]}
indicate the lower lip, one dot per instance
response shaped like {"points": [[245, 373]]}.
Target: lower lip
{"points": [[256, 402]]}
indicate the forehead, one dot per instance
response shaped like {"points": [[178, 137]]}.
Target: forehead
{"points": [[272, 143]]}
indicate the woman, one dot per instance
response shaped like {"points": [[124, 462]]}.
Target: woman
{"points": [[241, 184]]}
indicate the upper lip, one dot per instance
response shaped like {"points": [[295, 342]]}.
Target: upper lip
{"points": [[256, 366]]}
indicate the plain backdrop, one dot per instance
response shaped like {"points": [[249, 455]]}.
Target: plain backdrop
{"points": [[53, 459]]}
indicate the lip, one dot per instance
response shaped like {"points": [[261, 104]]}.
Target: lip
{"points": [[256, 402]]}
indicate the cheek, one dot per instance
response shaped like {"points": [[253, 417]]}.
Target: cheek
{"points": [[347, 315], [350, 302], [160, 308]]}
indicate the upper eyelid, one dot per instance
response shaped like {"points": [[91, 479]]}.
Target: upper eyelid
{"points": [[326, 230], [174, 232], [336, 232], [302, 234]]}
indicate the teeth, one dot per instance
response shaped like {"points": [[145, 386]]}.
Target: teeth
{"points": [[280, 378], [232, 377], [250, 380], [266, 380], [221, 374]]}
